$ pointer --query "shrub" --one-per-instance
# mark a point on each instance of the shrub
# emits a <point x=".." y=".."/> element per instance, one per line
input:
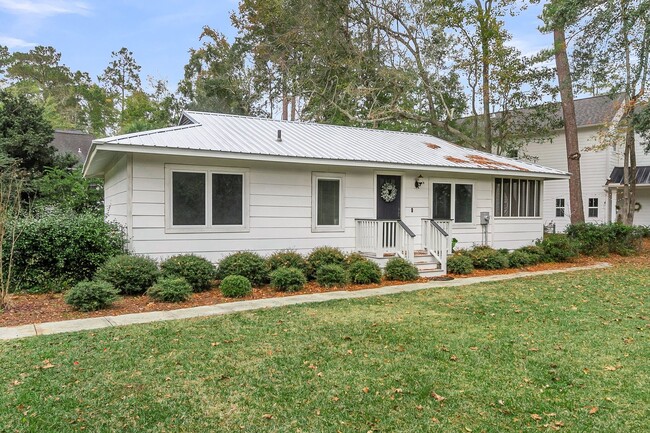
<point x="485" y="257"/>
<point x="398" y="269"/>
<point x="171" y="289"/>
<point x="91" y="295"/>
<point x="602" y="239"/>
<point x="246" y="264"/>
<point x="353" y="258"/>
<point x="364" y="272"/>
<point x="197" y="271"/>
<point x="56" y="251"/>
<point x="129" y="274"/>
<point x="558" y="248"/>
<point x="535" y="252"/>
<point x="324" y="256"/>
<point x="288" y="279"/>
<point x="331" y="275"/>
<point x="286" y="259"/>
<point x="520" y="259"/>
<point x="460" y="264"/>
<point x="235" y="286"/>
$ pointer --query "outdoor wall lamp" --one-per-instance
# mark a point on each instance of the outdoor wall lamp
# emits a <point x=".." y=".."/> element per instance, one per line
<point x="419" y="181"/>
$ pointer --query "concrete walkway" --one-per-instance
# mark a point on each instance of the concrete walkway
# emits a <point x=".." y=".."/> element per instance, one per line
<point x="10" y="333"/>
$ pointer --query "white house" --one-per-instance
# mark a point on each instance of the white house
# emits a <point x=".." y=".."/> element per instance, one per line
<point x="217" y="184"/>
<point x="601" y="168"/>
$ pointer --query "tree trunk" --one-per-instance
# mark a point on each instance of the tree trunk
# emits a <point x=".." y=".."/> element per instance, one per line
<point x="630" y="182"/>
<point x="285" y="107"/>
<point x="570" y="127"/>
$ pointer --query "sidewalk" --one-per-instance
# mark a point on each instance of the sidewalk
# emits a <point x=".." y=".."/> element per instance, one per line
<point x="10" y="333"/>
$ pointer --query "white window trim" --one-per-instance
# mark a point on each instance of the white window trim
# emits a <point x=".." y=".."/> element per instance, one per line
<point x="453" y="183"/>
<point x="315" y="176"/>
<point x="207" y="227"/>
<point x="597" y="207"/>
<point x="539" y="196"/>
<point x="560" y="207"/>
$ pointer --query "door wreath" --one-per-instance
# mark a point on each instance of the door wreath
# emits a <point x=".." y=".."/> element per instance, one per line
<point x="389" y="191"/>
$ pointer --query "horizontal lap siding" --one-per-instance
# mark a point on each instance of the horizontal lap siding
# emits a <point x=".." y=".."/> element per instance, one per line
<point x="512" y="233"/>
<point x="116" y="192"/>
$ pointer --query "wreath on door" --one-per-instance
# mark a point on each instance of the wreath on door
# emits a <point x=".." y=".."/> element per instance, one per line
<point x="389" y="191"/>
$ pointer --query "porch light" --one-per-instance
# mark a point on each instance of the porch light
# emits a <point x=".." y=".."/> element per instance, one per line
<point x="419" y="181"/>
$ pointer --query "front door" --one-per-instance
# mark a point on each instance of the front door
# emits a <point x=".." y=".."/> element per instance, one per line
<point x="389" y="190"/>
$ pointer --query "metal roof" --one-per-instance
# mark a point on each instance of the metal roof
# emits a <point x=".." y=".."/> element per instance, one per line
<point x="250" y="137"/>
<point x="642" y="176"/>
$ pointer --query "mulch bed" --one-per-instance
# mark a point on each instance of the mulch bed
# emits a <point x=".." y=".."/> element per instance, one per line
<point x="39" y="308"/>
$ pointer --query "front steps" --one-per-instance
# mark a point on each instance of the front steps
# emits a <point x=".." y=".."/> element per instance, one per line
<point x="427" y="265"/>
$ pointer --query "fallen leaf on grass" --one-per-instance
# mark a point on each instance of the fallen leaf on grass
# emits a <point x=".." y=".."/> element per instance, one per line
<point x="267" y="416"/>
<point x="593" y="410"/>
<point x="536" y="417"/>
<point x="473" y="348"/>
<point x="437" y="396"/>
<point x="419" y="407"/>
<point x="366" y="390"/>
<point x="453" y="358"/>
<point x="434" y="419"/>
<point x="612" y="367"/>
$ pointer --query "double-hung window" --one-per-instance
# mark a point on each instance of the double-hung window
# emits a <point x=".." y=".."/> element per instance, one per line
<point x="517" y="198"/>
<point x="206" y="199"/>
<point x="327" y="202"/>
<point x="592" y="210"/>
<point x="560" y="207"/>
<point x="453" y="201"/>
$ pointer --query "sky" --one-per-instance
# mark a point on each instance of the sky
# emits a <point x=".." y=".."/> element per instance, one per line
<point x="159" y="32"/>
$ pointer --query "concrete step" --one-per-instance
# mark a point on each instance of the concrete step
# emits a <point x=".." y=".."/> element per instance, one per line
<point x="431" y="273"/>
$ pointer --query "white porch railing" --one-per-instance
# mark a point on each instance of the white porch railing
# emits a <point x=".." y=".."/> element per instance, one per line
<point x="436" y="240"/>
<point x="385" y="237"/>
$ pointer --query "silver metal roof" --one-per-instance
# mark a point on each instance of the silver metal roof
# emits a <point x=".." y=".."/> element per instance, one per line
<point x="250" y="136"/>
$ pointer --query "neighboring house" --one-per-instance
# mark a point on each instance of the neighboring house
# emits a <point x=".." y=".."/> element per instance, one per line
<point x="74" y="143"/>
<point x="601" y="168"/>
<point x="218" y="183"/>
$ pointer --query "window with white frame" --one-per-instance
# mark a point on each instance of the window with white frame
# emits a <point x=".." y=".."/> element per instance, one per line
<point x="592" y="210"/>
<point x="518" y="198"/>
<point x="327" y="202"/>
<point x="453" y="201"/>
<point x="559" y="208"/>
<point x="206" y="199"/>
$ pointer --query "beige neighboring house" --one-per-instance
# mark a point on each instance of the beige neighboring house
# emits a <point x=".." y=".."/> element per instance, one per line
<point x="71" y="142"/>
<point x="601" y="169"/>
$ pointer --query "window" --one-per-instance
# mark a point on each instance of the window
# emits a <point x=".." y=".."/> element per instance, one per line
<point x="517" y="197"/>
<point x="592" y="211"/>
<point x="327" y="209"/>
<point x="559" y="207"/>
<point x="461" y="195"/>
<point x="206" y="199"/>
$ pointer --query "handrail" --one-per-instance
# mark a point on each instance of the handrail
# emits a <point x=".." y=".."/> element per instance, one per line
<point x="406" y="228"/>
<point x="436" y="225"/>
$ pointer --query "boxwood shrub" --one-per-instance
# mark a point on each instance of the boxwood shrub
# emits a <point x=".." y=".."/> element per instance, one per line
<point x="197" y="271"/>
<point x="286" y="259"/>
<point x="170" y="289"/>
<point x="602" y="239"/>
<point x="91" y="295"/>
<point x="459" y="264"/>
<point x="331" y="275"/>
<point x="130" y="275"/>
<point x="364" y="272"/>
<point x="485" y="257"/>
<point x="246" y="264"/>
<point x="235" y="286"/>
<point x="324" y="256"/>
<point x="54" y="252"/>
<point x="288" y="279"/>
<point x="559" y="248"/>
<point x="520" y="259"/>
<point x="399" y="269"/>
<point x="353" y="258"/>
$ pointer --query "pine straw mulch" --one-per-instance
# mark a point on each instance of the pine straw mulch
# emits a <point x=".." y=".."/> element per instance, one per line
<point x="39" y="308"/>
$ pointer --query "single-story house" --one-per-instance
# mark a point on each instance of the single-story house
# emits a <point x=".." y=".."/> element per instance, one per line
<point x="72" y="142"/>
<point x="218" y="184"/>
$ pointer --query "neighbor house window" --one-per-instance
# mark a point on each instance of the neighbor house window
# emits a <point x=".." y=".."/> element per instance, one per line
<point x="592" y="211"/>
<point x="456" y="197"/>
<point x="327" y="208"/>
<point x="517" y="197"/>
<point x="205" y="198"/>
<point x="559" y="207"/>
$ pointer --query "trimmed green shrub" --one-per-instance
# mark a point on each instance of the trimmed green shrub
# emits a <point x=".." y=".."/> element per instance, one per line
<point x="324" y="256"/>
<point x="353" y="258"/>
<point x="286" y="259"/>
<point x="288" y="279"/>
<point x="364" y="272"/>
<point x="520" y="259"/>
<point x="602" y="239"/>
<point x="130" y="275"/>
<point x="645" y="231"/>
<point x="535" y="252"/>
<point x="485" y="257"/>
<point x="559" y="248"/>
<point x="171" y="289"/>
<point x="91" y="295"/>
<point x="399" y="269"/>
<point x="235" y="286"/>
<point x="460" y="264"/>
<point x="55" y="252"/>
<point x="245" y="263"/>
<point x="331" y="275"/>
<point x="197" y="271"/>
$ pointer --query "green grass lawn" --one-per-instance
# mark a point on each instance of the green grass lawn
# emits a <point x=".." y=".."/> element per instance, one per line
<point x="565" y="352"/>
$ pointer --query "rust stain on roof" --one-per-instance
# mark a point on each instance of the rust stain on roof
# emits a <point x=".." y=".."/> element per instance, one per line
<point x="456" y="160"/>
<point x="432" y="146"/>
<point x="491" y="163"/>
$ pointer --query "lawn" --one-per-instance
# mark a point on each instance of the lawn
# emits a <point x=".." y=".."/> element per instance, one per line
<point x="567" y="352"/>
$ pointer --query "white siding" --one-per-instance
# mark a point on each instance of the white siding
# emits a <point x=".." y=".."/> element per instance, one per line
<point x="116" y="192"/>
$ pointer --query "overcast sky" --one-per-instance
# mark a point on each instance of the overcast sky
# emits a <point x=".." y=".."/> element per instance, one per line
<point x="159" y="32"/>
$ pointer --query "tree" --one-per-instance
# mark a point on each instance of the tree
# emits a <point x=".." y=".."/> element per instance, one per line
<point x="67" y="190"/>
<point x="11" y="182"/>
<point x="122" y="76"/>
<point x="150" y="111"/>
